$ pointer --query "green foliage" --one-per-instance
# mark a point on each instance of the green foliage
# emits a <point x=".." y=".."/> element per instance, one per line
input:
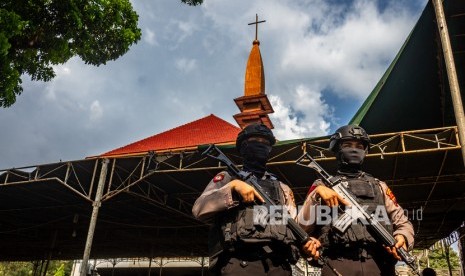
<point x="34" y="35"/>
<point x="59" y="268"/>
<point x="60" y="271"/>
<point x="192" y="2"/>
<point x="16" y="269"/>
<point x="55" y="268"/>
<point x="438" y="260"/>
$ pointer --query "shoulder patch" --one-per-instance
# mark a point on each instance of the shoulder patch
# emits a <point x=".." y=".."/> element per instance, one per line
<point x="218" y="177"/>
<point x="391" y="196"/>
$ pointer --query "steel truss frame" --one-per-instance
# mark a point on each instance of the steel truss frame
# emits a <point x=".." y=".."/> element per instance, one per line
<point x="124" y="175"/>
<point x="132" y="175"/>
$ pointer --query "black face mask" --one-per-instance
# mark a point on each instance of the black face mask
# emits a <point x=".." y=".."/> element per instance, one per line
<point x="350" y="159"/>
<point x="255" y="156"/>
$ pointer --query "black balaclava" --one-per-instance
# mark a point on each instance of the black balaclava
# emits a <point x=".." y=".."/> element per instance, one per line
<point x="350" y="160"/>
<point x="255" y="156"/>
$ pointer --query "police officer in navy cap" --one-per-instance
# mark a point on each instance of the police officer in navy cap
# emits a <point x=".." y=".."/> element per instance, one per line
<point x="356" y="251"/>
<point x="239" y="245"/>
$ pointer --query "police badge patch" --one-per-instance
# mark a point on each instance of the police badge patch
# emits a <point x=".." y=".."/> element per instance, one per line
<point x="218" y="177"/>
<point x="391" y="195"/>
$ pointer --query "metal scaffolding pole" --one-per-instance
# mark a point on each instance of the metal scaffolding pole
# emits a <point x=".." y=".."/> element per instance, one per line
<point x="93" y="220"/>
<point x="451" y="72"/>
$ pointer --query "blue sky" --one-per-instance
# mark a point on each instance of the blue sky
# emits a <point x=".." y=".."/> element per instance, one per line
<point x="322" y="59"/>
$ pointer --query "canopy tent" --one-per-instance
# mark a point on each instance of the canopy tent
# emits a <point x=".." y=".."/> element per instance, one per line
<point x="414" y="92"/>
<point x="147" y="200"/>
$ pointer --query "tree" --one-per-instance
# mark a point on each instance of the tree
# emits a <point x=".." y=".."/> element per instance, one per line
<point x="438" y="258"/>
<point x="36" y="34"/>
<point x="192" y="2"/>
<point x="15" y="269"/>
<point x="55" y="268"/>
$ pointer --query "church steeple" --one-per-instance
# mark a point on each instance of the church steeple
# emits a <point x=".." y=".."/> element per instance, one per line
<point x="254" y="105"/>
<point x="254" y="73"/>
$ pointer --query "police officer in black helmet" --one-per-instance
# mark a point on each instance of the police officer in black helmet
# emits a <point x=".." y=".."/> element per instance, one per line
<point x="350" y="144"/>
<point x="356" y="251"/>
<point x="239" y="245"/>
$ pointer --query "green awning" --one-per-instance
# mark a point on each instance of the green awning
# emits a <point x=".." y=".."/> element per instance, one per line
<point x="414" y="91"/>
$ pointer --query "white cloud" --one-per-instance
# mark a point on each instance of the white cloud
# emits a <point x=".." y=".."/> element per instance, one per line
<point x="186" y="28"/>
<point x="96" y="111"/>
<point x="304" y="114"/>
<point x="61" y="71"/>
<point x="347" y="54"/>
<point x="65" y="70"/>
<point x="149" y="37"/>
<point x="185" y="65"/>
<point x="178" y="31"/>
<point x="308" y="47"/>
<point x="340" y="48"/>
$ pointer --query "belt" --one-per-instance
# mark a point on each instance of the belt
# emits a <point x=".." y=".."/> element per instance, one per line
<point x="354" y="252"/>
<point x="257" y="252"/>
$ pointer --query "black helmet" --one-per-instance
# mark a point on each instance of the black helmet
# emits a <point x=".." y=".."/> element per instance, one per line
<point x="255" y="129"/>
<point x="349" y="132"/>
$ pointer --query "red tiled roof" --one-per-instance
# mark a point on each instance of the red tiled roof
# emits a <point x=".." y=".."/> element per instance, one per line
<point x="207" y="130"/>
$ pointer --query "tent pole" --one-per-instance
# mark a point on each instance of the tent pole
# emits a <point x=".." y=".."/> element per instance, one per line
<point x="93" y="220"/>
<point x="451" y="72"/>
<point x="50" y="252"/>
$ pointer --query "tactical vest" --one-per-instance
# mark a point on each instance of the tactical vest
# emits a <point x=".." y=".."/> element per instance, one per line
<point x="235" y="230"/>
<point x="368" y="193"/>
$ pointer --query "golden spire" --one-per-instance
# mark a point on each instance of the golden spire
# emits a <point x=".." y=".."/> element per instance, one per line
<point x="254" y="105"/>
<point x="254" y="72"/>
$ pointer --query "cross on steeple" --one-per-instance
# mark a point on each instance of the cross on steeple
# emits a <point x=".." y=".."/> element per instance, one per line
<point x="256" y="25"/>
<point x="254" y="105"/>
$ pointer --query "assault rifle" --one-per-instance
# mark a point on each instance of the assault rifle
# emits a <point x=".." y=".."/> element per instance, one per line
<point x="355" y="212"/>
<point x="299" y="233"/>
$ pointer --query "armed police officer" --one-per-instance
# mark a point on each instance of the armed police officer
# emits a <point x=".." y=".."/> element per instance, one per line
<point x="239" y="245"/>
<point x="356" y="251"/>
